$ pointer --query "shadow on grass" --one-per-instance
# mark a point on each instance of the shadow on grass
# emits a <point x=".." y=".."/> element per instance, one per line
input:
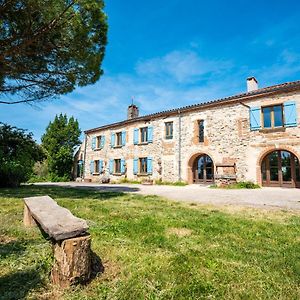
<point x="11" y="247"/>
<point x="17" y="285"/>
<point x="97" y="193"/>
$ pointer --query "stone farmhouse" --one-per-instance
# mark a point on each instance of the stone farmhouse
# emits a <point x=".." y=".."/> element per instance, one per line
<point x="254" y="136"/>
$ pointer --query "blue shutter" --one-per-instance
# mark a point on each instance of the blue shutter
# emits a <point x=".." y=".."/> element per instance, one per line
<point x="112" y="140"/>
<point x="149" y="165"/>
<point x="111" y="166"/>
<point x="122" y="166"/>
<point x="91" y="166"/>
<point x="150" y="134"/>
<point x="102" y="143"/>
<point x="136" y="136"/>
<point x="93" y="143"/>
<point x="290" y="114"/>
<point x="123" y="138"/>
<point x="135" y="166"/>
<point x="100" y="166"/>
<point x="255" y="118"/>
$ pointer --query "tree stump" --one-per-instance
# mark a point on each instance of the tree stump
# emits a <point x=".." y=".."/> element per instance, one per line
<point x="72" y="261"/>
<point x="28" y="219"/>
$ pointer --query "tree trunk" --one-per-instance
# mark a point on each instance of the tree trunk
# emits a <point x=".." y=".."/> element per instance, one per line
<point x="72" y="261"/>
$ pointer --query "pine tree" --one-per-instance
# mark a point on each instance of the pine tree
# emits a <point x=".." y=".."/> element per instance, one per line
<point x="48" y="47"/>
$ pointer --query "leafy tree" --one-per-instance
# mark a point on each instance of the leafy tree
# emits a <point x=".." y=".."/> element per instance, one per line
<point x="48" y="47"/>
<point x="59" y="141"/>
<point x="18" y="153"/>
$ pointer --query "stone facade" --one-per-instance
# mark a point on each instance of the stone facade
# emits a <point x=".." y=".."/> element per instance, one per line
<point x="234" y="148"/>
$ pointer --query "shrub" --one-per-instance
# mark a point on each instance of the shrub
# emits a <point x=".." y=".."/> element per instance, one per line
<point x="18" y="152"/>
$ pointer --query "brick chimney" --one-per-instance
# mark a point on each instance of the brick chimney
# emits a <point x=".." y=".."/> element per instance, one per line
<point x="132" y="112"/>
<point x="252" y="84"/>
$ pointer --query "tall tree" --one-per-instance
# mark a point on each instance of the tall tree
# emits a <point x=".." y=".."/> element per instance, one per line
<point x="59" y="141"/>
<point x="48" y="47"/>
<point x="18" y="153"/>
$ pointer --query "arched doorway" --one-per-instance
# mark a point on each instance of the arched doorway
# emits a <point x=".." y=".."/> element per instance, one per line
<point x="203" y="169"/>
<point x="280" y="168"/>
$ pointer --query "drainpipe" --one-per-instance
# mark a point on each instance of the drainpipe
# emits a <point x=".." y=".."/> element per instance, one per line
<point x="179" y="145"/>
<point x="84" y="156"/>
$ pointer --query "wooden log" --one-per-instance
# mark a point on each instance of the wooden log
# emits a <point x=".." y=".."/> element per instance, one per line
<point x="72" y="261"/>
<point x="58" y="222"/>
<point x="28" y="219"/>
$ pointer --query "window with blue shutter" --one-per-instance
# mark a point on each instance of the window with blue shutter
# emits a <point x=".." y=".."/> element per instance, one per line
<point x="135" y="166"/>
<point x="112" y="140"/>
<point x="91" y="166"/>
<point x="100" y="166"/>
<point x="290" y="114"/>
<point x="123" y="166"/>
<point x="149" y="165"/>
<point x="123" y="138"/>
<point x="102" y="141"/>
<point x="136" y="136"/>
<point x="111" y="166"/>
<point x="93" y="143"/>
<point x="150" y="134"/>
<point x="255" y="118"/>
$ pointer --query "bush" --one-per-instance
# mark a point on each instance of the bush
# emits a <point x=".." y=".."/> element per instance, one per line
<point x="238" y="185"/>
<point x="18" y="153"/>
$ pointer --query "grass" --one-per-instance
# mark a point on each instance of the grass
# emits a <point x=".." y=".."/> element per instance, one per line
<point x="237" y="186"/>
<point x="152" y="248"/>
<point x="176" y="183"/>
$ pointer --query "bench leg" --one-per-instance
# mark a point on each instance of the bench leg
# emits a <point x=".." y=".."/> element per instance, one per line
<point x="28" y="219"/>
<point x="72" y="261"/>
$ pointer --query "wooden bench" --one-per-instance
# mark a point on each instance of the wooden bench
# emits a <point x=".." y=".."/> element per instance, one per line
<point x="70" y="239"/>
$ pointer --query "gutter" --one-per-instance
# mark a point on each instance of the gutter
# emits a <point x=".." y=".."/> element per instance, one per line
<point x="84" y="156"/>
<point x="179" y="145"/>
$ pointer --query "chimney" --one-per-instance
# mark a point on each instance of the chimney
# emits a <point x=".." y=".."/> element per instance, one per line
<point x="252" y="84"/>
<point x="132" y="112"/>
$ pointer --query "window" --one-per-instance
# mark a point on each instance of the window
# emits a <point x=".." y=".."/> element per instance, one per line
<point x="169" y="130"/>
<point x="144" y="134"/>
<point x="272" y="116"/>
<point x="96" y="166"/>
<point x="117" y="166"/>
<point x="119" y="138"/>
<point x="201" y="130"/>
<point x="143" y="165"/>
<point x="98" y="141"/>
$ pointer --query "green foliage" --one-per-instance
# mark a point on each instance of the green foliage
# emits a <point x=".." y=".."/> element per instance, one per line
<point x="59" y="141"/>
<point x="152" y="248"/>
<point x="238" y="185"/>
<point x="18" y="152"/>
<point x="49" y="47"/>
<point x="175" y="183"/>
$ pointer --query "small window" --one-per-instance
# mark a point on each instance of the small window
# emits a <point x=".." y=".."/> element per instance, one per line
<point x="144" y="134"/>
<point x="272" y="116"/>
<point x="201" y="131"/>
<point x="117" y="166"/>
<point x="98" y="141"/>
<point x="119" y="138"/>
<point x="96" y="166"/>
<point x="143" y="165"/>
<point x="169" y="130"/>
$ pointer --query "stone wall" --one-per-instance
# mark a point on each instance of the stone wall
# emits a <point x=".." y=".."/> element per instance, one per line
<point x="228" y="140"/>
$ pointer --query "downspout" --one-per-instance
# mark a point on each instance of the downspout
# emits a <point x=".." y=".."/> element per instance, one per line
<point x="84" y="156"/>
<point x="179" y="145"/>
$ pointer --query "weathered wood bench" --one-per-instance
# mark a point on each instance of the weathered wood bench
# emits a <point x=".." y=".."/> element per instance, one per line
<point x="70" y="239"/>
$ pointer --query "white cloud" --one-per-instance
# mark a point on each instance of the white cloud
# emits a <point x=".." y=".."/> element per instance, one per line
<point x="183" y="66"/>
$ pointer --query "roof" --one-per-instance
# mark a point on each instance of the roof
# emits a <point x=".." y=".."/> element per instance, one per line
<point x="279" y="88"/>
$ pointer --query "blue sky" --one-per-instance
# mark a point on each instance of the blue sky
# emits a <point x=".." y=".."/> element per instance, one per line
<point x="173" y="53"/>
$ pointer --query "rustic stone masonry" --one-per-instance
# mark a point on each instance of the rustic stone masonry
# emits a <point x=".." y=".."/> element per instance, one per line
<point x="230" y="139"/>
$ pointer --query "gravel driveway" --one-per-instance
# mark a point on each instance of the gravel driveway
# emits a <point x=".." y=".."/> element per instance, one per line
<point x="265" y="197"/>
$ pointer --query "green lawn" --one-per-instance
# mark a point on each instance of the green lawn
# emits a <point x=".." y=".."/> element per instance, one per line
<point x="155" y="249"/>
